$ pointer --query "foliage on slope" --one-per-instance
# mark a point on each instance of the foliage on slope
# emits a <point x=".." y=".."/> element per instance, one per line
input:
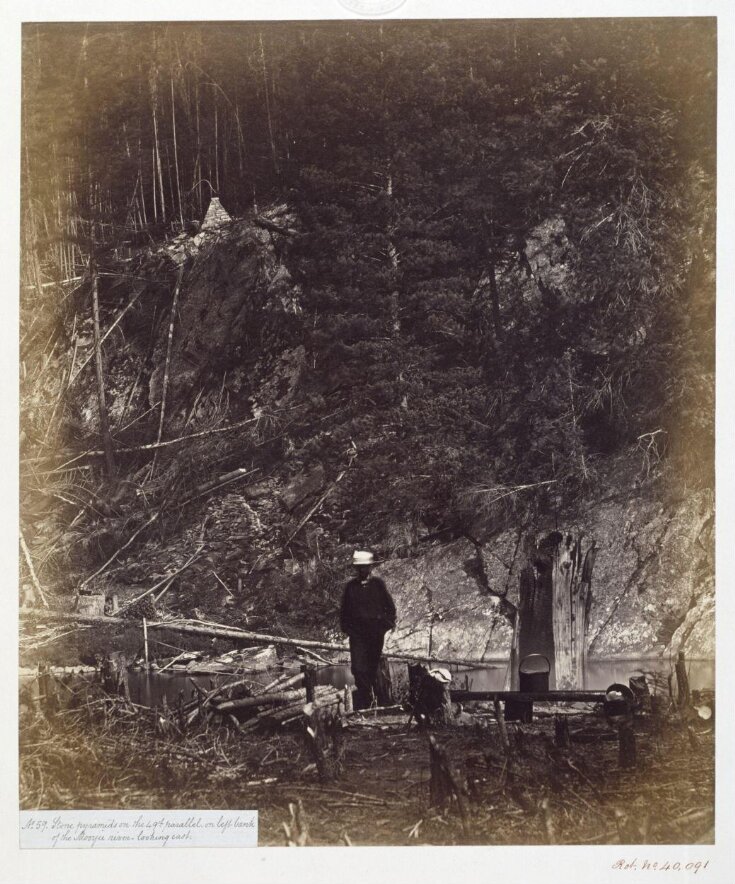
<point x="494" y="273"/>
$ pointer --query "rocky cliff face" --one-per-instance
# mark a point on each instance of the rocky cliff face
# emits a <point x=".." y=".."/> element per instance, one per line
<point x="653" y="584"/>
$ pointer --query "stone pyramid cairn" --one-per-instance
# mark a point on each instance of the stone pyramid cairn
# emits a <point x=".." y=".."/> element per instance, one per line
<point x="216" y="216"/>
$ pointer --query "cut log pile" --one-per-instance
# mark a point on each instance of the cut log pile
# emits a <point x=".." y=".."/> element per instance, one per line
<point x="285" y="710"/>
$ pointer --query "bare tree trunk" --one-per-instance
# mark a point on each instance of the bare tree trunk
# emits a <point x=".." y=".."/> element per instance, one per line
<point x="167" y="365"/>
<point x="198" y="162"/>
<point x="153" y="183"/>
<point x="176" y="153"/>
<point x="535" y="633"/>
<point x="159" y="170"/>
<point x="268" y="106"/>
<point x="571" y="581"/>
<point x="239" y="140"/>
<point x="216" y="141"/>
<point x="553" y="613"/>
<point x="170" y="183"/>
<point x="104" y="421"/>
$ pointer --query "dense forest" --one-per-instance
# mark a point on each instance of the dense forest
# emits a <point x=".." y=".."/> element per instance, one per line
<point x="473" y="265"/>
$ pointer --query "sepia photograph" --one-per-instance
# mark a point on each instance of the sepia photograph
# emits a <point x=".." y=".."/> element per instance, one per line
<point x="367" y="431"/>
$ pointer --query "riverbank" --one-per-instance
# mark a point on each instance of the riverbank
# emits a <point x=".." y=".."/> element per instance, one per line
<point x="102" y="752"/>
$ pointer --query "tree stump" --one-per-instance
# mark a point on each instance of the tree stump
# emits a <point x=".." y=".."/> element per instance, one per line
<point x="430" y="700"/>
<point x="693" y="738"/>
<point x="554" y="606"/>
<point x="561" y="731"/>
<point x="641" y="692"/>
<point x="347" y="699"/>
<point x="324" y="736"/>
<point x="48" y="699"/>
<point x="626" y="746"/>
<point x="445" y="786"/>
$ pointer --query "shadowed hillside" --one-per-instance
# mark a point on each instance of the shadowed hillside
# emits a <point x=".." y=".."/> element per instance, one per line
<point x="461" y="289"/>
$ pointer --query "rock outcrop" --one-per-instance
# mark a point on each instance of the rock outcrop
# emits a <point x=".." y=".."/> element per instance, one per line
<point x="653" y="586"/>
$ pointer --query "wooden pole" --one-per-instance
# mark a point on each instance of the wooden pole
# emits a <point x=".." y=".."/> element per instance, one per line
<point x="502" y="730"/>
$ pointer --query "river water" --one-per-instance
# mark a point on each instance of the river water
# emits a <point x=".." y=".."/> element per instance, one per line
<point x="149" y="688"/>
<point x="601" y="673"/>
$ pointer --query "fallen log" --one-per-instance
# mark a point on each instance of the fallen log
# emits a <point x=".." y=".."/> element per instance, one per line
<point x="32" y="570"/>
<point x="233" y="632"/>
<point x="283" y="681"/>
<point x="281" y="715"/>
<point x="532" y="696"/>
<point x="395" y="709"/>
<point x="282" y="698"/>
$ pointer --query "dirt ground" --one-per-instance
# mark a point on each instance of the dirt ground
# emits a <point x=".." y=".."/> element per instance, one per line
<point x="101" y="752"/>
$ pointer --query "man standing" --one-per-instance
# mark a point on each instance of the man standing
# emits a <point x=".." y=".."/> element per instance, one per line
<point x="367" y="613"/>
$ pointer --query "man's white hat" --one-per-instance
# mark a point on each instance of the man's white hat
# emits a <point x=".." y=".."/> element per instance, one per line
<point x="361" y="557"/>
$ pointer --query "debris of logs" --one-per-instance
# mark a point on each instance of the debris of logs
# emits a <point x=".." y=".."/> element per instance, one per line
<point x="272" y="717"/>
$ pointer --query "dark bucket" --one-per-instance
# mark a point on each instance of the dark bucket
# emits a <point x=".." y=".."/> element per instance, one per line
<point x="619" y="701"/>
<point x="533" y="673"/>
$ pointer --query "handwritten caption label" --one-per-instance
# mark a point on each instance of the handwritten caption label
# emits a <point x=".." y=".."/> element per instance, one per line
<point x="660" y="865"/>
<point x="56" y="829"/>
